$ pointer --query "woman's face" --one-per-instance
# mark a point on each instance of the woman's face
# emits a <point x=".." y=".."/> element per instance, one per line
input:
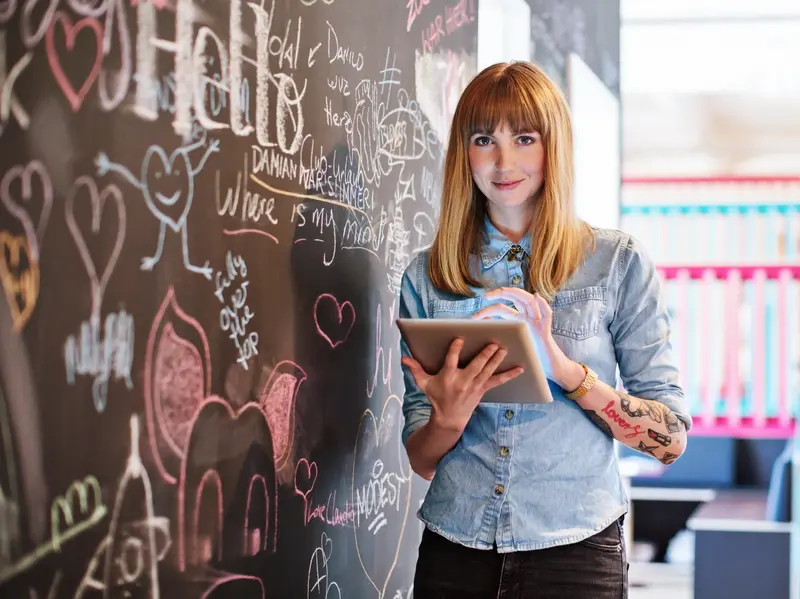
<point x="508" y="169"/>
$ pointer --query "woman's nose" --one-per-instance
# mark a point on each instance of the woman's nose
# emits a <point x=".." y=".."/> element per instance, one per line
<point x="504" y="160"/>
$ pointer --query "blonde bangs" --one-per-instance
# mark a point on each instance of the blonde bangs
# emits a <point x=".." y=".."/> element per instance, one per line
<point x="504" y="99"/>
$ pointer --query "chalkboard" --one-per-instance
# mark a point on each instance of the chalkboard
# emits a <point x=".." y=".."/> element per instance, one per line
<point x="589" y="28"/>
<point x="206" y="209"/>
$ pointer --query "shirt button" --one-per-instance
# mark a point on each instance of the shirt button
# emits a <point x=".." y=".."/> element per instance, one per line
<point x="515" y="280"/>
<point x="509" y="414"/>
<point x="504" y="451"/>
<point x="499" y="490"/>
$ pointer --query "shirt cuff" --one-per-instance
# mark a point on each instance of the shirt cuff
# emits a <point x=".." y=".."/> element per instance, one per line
<point x="415" y="420"/>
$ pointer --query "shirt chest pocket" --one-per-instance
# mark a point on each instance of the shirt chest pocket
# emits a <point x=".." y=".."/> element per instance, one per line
<point x="463" y="308"/>
<point x="578" y="313"/>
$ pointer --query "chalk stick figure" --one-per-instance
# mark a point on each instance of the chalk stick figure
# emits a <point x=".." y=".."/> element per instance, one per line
<point x="167" y="184"/>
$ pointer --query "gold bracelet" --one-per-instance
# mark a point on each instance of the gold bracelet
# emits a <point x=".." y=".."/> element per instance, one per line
<point x="588" y="382"/>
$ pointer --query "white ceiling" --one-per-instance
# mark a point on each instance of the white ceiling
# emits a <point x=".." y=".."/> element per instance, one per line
<point x="714" y="89"/>
<point x="631" y="10"/>
<point x="695" y="134"/>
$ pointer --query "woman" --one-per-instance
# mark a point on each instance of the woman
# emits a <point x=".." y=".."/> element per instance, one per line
<point x="526" y="500"/>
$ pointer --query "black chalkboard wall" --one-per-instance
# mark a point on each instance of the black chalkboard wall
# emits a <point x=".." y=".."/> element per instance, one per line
<point x="206" y="209"/>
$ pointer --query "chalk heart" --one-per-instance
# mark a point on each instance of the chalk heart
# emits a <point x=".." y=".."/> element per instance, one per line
<point x="305" y="477"/>
<point x="71" y="31"/>
<point x="333" y="320"/>
<point x="98" y="203"/>
<point x="378" y="549"/>
<point x="326" y="543"/>
<point x="19" y="274"/>
<point x="167" y="184"/>
<point x="20" y="205"/>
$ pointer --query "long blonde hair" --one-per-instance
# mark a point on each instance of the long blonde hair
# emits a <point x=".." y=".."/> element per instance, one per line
<point x="522" y="95"/>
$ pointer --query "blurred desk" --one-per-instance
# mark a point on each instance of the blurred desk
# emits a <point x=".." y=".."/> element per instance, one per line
<point x="630" y="467"/>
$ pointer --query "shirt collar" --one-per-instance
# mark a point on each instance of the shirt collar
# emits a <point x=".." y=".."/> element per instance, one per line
<point x="496" y="245"/>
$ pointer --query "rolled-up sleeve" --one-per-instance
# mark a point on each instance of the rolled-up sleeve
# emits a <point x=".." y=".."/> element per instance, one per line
<point x="641" y="332"/>
<point x="416" y="406"/>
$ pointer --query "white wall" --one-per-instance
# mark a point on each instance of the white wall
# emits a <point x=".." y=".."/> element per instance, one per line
<point x="504" y="31"/>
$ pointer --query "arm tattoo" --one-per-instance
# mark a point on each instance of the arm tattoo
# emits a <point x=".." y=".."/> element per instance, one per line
<point x="673" y="424"/>
<point x="664" y="440"/>
<point x="639" y="408"/>
<point x="625" y="403"/>
<point x="655" y="411"/>
<point x="668" y="458"/>
<point x="648" y="449"/>
<point x="600" y="422"/>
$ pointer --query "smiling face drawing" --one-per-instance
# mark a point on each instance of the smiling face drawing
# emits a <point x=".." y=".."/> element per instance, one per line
<point x="168" y="185"/>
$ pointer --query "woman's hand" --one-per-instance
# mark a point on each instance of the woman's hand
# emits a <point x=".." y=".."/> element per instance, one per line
<point x="534" y="309"/>
<point x="455" y="392"/>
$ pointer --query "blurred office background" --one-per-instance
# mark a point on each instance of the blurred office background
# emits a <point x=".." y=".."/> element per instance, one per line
<point x="710" y="96"/>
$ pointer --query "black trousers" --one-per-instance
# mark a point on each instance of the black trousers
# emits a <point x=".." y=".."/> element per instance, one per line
<point x="595" y="568"/>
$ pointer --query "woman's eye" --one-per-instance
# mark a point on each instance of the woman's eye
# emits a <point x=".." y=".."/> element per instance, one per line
<point x="526" y="140"/>
<point x="482" y="140"/>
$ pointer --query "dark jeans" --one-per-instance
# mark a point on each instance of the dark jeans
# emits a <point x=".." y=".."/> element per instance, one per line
<point x="595" y="568"/>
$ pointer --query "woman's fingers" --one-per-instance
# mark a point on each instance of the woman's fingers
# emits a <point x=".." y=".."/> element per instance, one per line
<point x="479" y="362"/>
<point x="497" y="311"/>
<point x="509" y="293"/>
<point x="490" y="366"/>
<point x="453" y="354"/>
<point x="535" y="313"/>
<point x="544" y="307"/>
<point x="522" y="300"/>
<point x="532" y="305"/>
<point x="498" y="379"/>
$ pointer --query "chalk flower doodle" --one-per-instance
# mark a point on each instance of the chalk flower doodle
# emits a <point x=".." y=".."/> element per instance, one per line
<point x="167" y="184"/>
<point x="326" y="308"/>
<point x="75" y="98"/>
<point x="278" y="399"/>
<point x="381" y="493"/>
<point x="177" y="378"/>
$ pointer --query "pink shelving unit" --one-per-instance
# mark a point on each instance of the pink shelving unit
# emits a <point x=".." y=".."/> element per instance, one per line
<point x="728" y="250"/>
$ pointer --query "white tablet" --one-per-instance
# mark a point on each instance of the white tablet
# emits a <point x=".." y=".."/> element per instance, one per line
<point x="430" y="338"/>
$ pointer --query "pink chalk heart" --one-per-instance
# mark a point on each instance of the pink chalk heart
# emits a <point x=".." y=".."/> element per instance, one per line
<point x="305" y="476"/>
<point x="71" y="31"/>
<point x="333" y="320"/>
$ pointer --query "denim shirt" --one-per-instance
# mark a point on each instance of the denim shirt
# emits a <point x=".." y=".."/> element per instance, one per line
<point x="531" y="476"/>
